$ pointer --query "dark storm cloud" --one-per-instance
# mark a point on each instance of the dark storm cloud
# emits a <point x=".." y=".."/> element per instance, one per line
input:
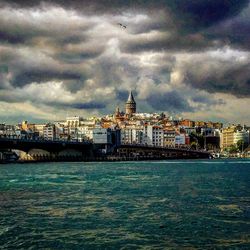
<point x="194" y="26"/>
<point x="9" y="37"/>
<point x="77" y="57"/>
<point x="174" y="42"/>
<point x="122" y="95"/>
<point x="202" y="10"/>
<point x="173" y="101"/>
<point x="186" y="21"/>
<point x="75" y="52"/>
<point x="56" y="25"/>
<point x="88" y="105"/>
<point x="110" y="71"/>
<point x="235" y="31"/>
<point x="26" y="77"/>
<point x="234" y="80"/>
<point x="80" y="105"/>
<point x="204" y="13"/>
<point x="206" y="100"/>
<point x="198" y="13"/>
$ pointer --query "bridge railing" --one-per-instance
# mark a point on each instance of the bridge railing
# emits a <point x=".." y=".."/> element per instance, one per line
<point x="164" y="147"/>
<point x="39" y="139"/>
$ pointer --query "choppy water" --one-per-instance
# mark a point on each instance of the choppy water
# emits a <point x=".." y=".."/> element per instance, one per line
<point x="131" y="205"/>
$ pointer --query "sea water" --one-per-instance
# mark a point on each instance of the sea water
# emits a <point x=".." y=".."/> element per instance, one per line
<point x="193" y="204"/>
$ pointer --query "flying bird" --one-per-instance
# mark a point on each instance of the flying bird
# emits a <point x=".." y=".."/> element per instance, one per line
<point x="122" y="26"/>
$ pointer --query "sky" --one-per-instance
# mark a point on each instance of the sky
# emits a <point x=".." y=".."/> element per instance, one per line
<point x="188" y="58"/>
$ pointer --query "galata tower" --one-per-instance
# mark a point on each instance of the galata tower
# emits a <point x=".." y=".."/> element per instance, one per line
<point x="130" y="105"/>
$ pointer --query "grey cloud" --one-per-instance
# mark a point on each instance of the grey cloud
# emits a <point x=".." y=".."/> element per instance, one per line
<point x="94" y="54"/>
<point x="108" y="71"/>
<point x="207" y="100"/>
<point x="185" y="20"/>
<point x="26" y="77"/>
<point x="122" y="95"/>
<point x="192" y="14"/>
<point x="169" y="42"/>
<point x="232" y="78"/>
<point x="235" y="31"/>
<point x="196" y="15"/>
<point x="20" y="26"/>
<point x="79" y="56"/>
<point x="172" y="100"/>
<point x="78" y="105"/>
<point x="88" y="105"/>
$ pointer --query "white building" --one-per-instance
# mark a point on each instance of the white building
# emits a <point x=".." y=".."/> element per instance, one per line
<point x="39" y="128"/>
<point x="49" y="132"/>
<point x="241" y="135"/>
<point x="101" y="135"/>
<point x="73" y="121"/>
<point x="180" y="140"/>
<point x="153" y="135"/>
<point x="85" y="133"/>
<point x="131" y="136"/>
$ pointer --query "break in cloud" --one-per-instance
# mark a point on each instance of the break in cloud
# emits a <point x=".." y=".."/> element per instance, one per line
<point x="188" y="58"/>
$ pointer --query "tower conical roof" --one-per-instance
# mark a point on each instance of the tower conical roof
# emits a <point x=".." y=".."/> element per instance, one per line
<point x="131" y="98"/>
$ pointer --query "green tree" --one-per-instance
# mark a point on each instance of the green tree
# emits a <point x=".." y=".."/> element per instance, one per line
<point x="197" y="138"/>
<point x="232" y="149"/>
<point x="241" y="145"/>
<point x="193" y="145"/>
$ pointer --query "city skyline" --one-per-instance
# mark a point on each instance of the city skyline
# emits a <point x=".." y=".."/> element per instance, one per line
<point x="188" y="59"/>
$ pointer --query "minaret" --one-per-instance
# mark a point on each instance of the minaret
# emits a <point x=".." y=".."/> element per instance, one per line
<point x="130" y="105"/>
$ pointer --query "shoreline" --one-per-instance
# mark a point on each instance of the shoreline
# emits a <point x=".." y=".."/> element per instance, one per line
<point x="131" y="159"/>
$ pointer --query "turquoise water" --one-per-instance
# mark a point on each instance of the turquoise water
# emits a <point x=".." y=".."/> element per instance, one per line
<point x="131" y="205"/>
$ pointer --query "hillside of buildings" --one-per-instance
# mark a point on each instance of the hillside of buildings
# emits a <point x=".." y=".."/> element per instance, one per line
<point x="138" y="128"/>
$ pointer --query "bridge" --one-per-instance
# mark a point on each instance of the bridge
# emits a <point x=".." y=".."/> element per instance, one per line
<point x="80" y="151"/>
<point x="147" y="151"/>
<point x="48" y="150"/>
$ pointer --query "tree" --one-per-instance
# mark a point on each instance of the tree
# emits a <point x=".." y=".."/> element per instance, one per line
<point x="193" y="145"/>
<point x="232" y="149"/>
<point x="197" y="138"/>
<point x="241" y="145"/>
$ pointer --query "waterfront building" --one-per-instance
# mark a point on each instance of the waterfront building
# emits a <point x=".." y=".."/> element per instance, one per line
<point x="130" y="107"/>
<point x="180" y="140"/>
<point x="169" y="138"/>
<point x="39" y="129"/>
<point x="84" y="133"/>
<point x="153" y="135"/>
<point x="49" y="132"/>
<point x="132" y="135"/>
<point x="73" y="121"/>
<point x="241" y="135"/>
<point x="227" y="137"/>
<point x="231" y="135"/>
<point x="101" y="135"/>
<point x="8" y="130"/>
